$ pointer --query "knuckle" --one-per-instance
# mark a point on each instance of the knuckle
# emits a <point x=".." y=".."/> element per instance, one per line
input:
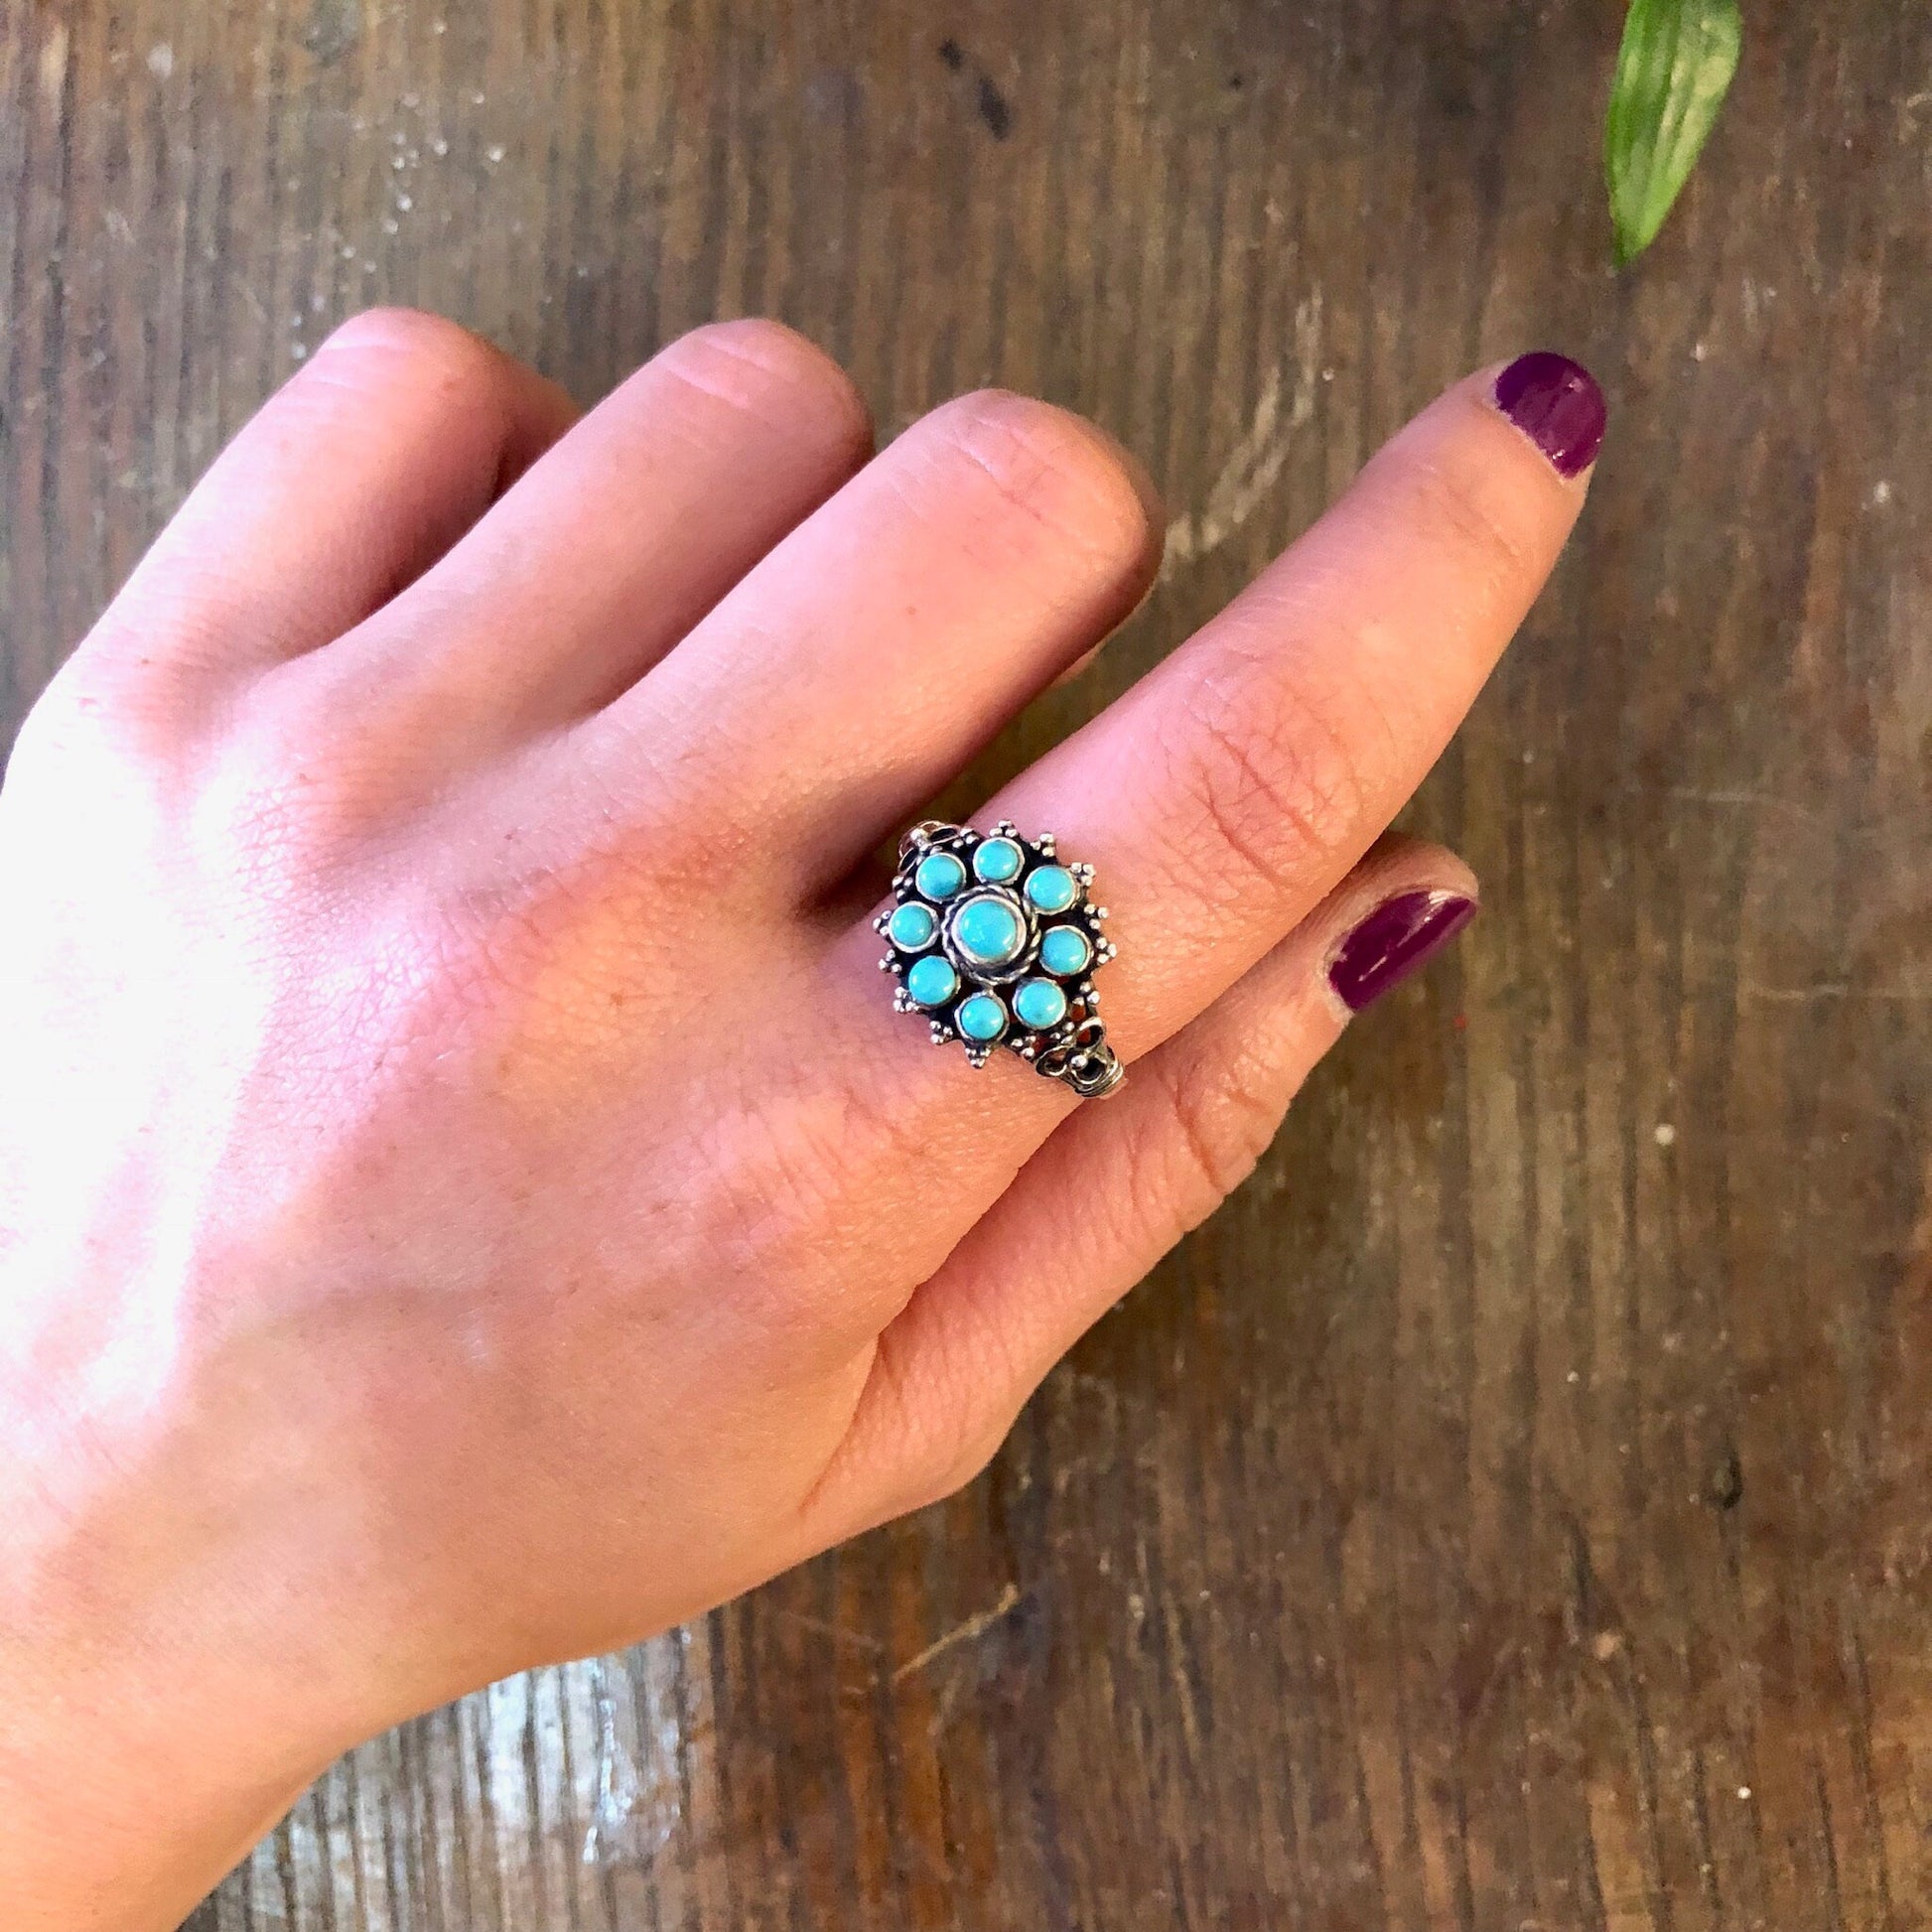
<point x="765" y="370"/>
<point x="1053" y="469"/>
<point x="275" y="787"/>
<point x="1272" y="787"/>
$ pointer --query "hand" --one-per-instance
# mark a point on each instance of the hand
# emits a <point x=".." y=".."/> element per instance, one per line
<point x="466" y="1199"/>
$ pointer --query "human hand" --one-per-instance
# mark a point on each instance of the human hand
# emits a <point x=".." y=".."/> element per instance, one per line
<point x="466" y="1199"/>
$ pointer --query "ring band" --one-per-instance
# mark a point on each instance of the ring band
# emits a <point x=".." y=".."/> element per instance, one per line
<point x="994" y="939"/>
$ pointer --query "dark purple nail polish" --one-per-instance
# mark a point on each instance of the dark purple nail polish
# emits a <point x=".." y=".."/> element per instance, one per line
<point x="1393" y="941"/>
<point x="1557" y="404"/>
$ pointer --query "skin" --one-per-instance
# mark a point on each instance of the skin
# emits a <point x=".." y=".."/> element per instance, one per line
<point x="463" y="1192"/>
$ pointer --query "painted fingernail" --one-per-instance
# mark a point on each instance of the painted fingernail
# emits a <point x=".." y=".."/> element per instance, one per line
<point x="1393" y="941"/>
<point x="1557" y="404"/>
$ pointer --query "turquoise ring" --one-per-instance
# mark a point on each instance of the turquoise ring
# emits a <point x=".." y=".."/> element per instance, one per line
<point x="994" y="939"/>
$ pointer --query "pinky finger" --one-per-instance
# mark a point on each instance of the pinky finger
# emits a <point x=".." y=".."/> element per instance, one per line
<point x="955" y="1366"/>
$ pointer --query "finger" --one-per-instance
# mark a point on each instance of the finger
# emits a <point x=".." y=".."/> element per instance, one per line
<point x="955" y="1366"/>
<point x="621" y="538"/>
<point x="1222" y="800"/>
<point x="853" y="672"/>
<point x="1237" y="784"/>
<point x="352" y="478"/>
<point x="1226" y="793"/>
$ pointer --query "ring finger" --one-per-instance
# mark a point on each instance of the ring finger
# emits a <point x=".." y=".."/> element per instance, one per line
<point x="1237" y="784"/>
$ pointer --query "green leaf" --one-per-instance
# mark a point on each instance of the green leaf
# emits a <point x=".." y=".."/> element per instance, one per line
<point x="1672" y="73"/>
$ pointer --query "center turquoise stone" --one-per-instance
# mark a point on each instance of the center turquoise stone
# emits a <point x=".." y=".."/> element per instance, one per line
<point x="988" y="930"/>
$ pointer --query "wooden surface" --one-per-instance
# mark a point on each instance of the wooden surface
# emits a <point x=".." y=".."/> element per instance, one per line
<point x="1512" y="1512"/>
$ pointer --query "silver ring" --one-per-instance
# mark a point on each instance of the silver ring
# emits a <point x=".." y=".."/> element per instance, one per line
<point x="994" y="939"/>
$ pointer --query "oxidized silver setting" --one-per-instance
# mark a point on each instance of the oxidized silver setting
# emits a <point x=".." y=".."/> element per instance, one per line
<point x="996" y="939"/>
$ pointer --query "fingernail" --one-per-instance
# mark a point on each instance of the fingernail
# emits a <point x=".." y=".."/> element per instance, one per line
<point x="1393" y="941"/>
<point x="1557" y="404"/>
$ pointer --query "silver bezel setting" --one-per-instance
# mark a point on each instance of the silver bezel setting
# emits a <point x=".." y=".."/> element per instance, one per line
<point x="1075" y="1050"/>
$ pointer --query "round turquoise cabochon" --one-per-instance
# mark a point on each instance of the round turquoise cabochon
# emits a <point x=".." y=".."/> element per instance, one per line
<point x="939" y="875"/>
<point x="933" y="981"/>
<point x="988" y="930"/>
<point x="1064" y="949"/>
<point x="1052" y="887"/>
<point x="1040" y="1003"/>
<point x="912" y="928"/>
<point x="997" y="860"/>
<point x="982" y="1017"/>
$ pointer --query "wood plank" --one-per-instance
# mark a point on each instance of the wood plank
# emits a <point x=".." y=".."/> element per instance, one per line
<point x="1510" y="1512"/>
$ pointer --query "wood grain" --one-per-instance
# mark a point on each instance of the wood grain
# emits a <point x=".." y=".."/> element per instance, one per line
<point x="1511" y="1513"/>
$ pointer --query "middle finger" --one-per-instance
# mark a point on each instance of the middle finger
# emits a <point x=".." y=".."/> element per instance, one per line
<point x="860" y="663"/>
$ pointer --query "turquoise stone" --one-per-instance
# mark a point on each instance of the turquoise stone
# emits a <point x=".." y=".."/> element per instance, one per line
<point x="988" y="930"/>
<point x="1050" y="887"/>
<point x="982" y="1017"/>
<point x="997" y="860"/>
<point x="912" y="928"/>
<point x="939" y="875"/>
<point x="1040" y="1003"/>
<point x="1066" y="949"/>
<point x="931" y="981"/>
